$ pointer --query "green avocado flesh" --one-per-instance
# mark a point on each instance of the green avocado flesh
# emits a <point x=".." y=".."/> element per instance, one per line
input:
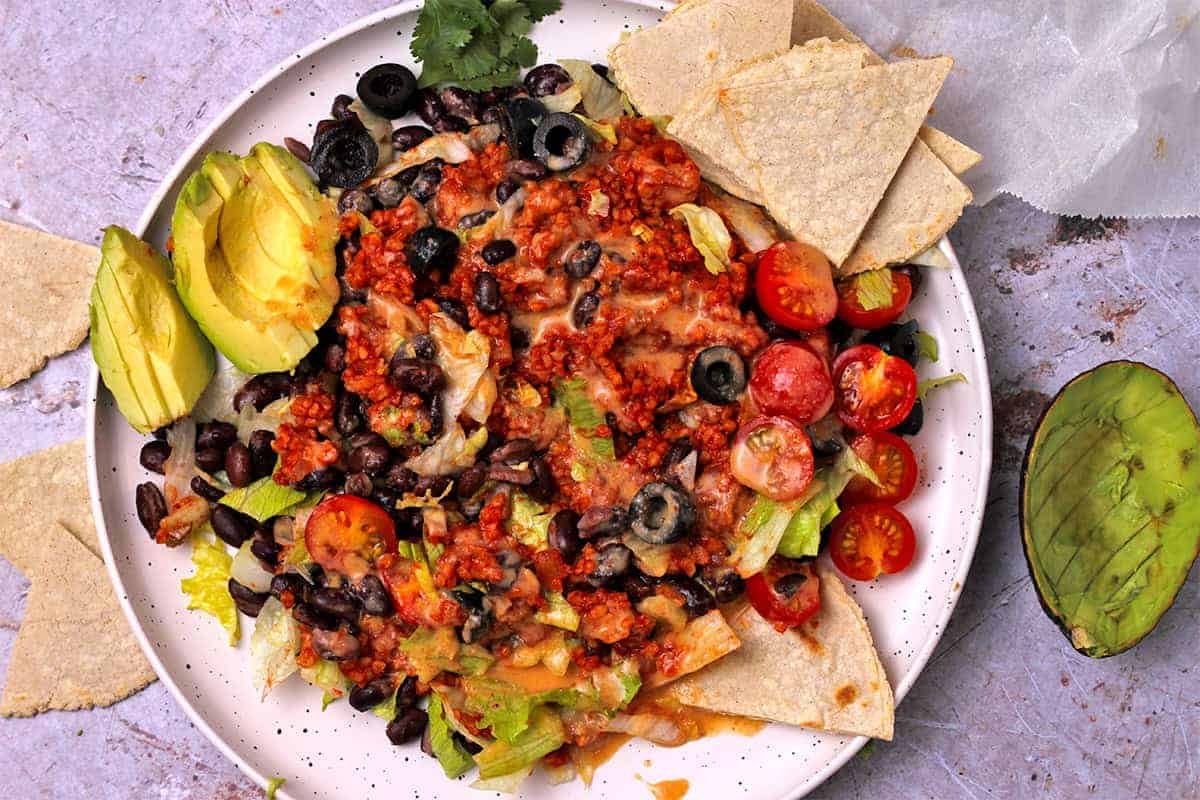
<point x="254" y="256"/>
<point x="1110" y="505"/>
<point x="151" y="355"/>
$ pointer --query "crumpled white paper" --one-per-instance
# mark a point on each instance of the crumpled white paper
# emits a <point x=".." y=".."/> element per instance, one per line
<point x="1087" y="107"/>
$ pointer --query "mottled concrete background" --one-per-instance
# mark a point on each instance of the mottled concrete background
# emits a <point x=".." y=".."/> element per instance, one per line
<point x="97" y="100"/>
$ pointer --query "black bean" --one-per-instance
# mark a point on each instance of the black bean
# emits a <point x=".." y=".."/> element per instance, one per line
<point x="613" y="561"/>
<point x="238" y="465"/>
<point x="356" y="200"/>
<point x="492" y="115"/>
<point x="527" y="169"/>
<point x="406" y="694"/>
<point x="471" y="480"/>
<point x="407" y="726"/>
<point x="416" y="375"/>
<point x="697" y="600"/>
<point x="455" y="310"/>
<point x="151" y="506"/>
<point x="321" y="478"/>
<point x="336" y="603"/>
<point x="434" y="485"/>
<point x="546" y="79"/>
<point x="410" y="523"/>
<point x="289" y="582"/>
<point x="347" y="416"/>
<point x="297" y="148"/>
<point x="726" y="586"/>
<point x="583" y="259"/>
<point x="206" y="490"/>
<point x="210" y="460"/>
<point x="519" y="338"/>
<point x="266" y="551"/>
<point x="451" y="124"/>
<point x="316" y="573"/>
<point x="232" y="527"/>
<point x="409" y="136"/>
<point x="341" y="106"/>
<point x="334" y="645"/>
<point x="423" y="346"/>
<point x="602" y="521"/>
<point x="518" y="476"/>
<point x="544" y="486"/>
<point x="469" y="221"/>
<point x="498" y="251"/>
<point x="262" y="457"/>
<point x="359" y="484"/>
<point x="262" y="390"/>
<point x="585" y="309"/>
<point x="216" y="434"/>
<point x="248" y="601"/>
<point x="437" y="416"/>
<point x="497" y="94"/>
<point x="487" y="293"/>
<point x="307" y="614"/>
<point x="563" y="534"/>
<point x="389" y="193"/>
<point x="374" y="596"/>
<point x="425" y="185"/>
<point x="371" y="456"/>
<point x="154" y="456"/>
<point x="461" y="102"/>
<point x="364" y="698"/>
<point x="638" y="586"/>
<point x="400" y="478"/>
<point x="513" y="451"/>
<point x="506" y="189"/>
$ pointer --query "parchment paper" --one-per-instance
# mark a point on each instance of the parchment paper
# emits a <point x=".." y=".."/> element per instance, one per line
<point x="1087" y="107"/>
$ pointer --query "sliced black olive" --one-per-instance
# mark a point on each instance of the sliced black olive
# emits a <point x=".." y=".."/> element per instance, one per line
<point x="719" y="375"/>
<point x="697" y="600"/>
<point x="913" y="422"/>
<point x="897" y="340"/>
<point x="661" y="513"/>
<point x="547" y="79"/>
<point x="518" y="124"/>
<point x="613" y="562"/>
<point x="562" y="142"/>
<point x="386" y="89"/>
<point x="431" y="248"/>
<point x="583" y="259"/>
<point x="345" y="155"/>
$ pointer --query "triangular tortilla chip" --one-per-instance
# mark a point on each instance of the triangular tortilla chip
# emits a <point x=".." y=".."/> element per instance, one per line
<point x="700" y="126"/>
<point x="957" y="157"/>
<point x="74" y="648"/>
<point x="824" y="188"/>
<point x="41" y="489"/>
<point x="824" y="675"/>
<point x="41" y="272"/>
<point x="659" y="67"/>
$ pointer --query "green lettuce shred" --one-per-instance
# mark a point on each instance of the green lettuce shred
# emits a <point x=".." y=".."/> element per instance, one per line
<point x="927" y="346"/>
<point x="929" y="384"/>
<point x="874" y="289"/>
<point x="273" y="787"/>
<point x="709" y="235"/>
<point x="529" y="521"/>
<point x="543" y="736"/>
<point x="558" y="612"/>
<point x="450" y="754"/>
<point x="208" y="587"/>
<point x="601" y="100"/>
<point x="264" y="499"/>
<point x="572" y="396"/>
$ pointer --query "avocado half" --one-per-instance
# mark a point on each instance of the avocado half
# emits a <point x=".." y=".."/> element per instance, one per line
<point x="1110" y="504"/>
<point x="254" y="256"/>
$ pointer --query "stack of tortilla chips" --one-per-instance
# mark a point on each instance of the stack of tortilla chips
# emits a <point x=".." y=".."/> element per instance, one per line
<point x="780" y="104"/>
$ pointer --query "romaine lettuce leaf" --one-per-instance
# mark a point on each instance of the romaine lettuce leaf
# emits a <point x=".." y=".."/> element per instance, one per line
<point x="454" y="759"/>
<point x="543" y="736"/>
<point x="529" y="521"/>
<point x="264" y="499"/>
<point x="601" y="100"/>
<point x="572" y="396"/>
<point x="326" y="675"/>
<point x="273" y="646"/>
<point x="874" y="289"/>
<point x="929" y="384"/>
<point x="432" y="650"/>
<point x="208" y="587"/>
<point x="709" y="235"/>
<point x="558" y="612"/>
<point x="273" y="787"/>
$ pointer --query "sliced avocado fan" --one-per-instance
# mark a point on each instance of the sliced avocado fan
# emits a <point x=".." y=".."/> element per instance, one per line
<point x="1110" y="504"/>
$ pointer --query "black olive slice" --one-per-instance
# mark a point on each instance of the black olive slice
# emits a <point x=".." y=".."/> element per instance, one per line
<point x="661" y="513"/>
<point x="344" y="154"/>
<point x="431" y="248"/>
<point x="562" y="142"/>
<point x="519" y="121"/>
<point x="719" y="375"/>
<point x="386" y="89"/>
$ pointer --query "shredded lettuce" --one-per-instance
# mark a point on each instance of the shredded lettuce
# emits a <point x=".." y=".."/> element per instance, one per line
<point x="450" y="754"/>
<point x="927" y="346"/>
<point x="509" y="710"/>
<point x="802" y="536"/>
<point x="208" y="587"/>
<point x="558" y="612"/>
<point x="630" y="678"/>
<point x="386" y="710"/>
<point x="504" y="784"/>
<point x="273" y="646"/>
<point x="326" y="675"/>
<point x="929" y="384"/>
<point x="452" y="148"/>
<point x="601" y="130"/>
<point x="572" y="396"/>
<point x="216" y="401"/>
<point x="874" y="288"/>
<point x="544" y="735"/>
<point x="264" y="499"/>
<point x="432" y="650"/>
<point x="529" y="521"/>
<point x="601" y="100"/>
<point x="273" y="787"/>
<point x="759" y="532"/>
<point x="709" y="235"/>
<point x="599" y="204"/>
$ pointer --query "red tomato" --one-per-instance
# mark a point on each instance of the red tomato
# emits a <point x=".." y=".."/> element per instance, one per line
<point x="875" y="391"/>
<point x="894" y="465"/>
<point x="414" y="604"/>
<point x="773" y="456"/>
<point x="853" y="314"/>
<point x="795" y="286"/>
<point x="786" y="593"/>
<point x="346" y="534"/>
<point x="820" y="343"/>
<point x="790" y="379"/>
<point x="870" y="539"/>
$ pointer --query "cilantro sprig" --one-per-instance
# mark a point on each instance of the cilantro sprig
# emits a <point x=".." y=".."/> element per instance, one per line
<point x="477" y="45"/>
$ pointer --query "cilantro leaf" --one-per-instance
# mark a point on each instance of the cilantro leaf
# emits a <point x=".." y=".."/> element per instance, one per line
<point x="540" y="9"/>
<point x="511" y="17"/>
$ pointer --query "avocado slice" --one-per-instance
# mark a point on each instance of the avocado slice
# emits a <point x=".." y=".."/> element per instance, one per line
<point x="254" y="256"/>
<point x="1110" y="504"/>
<point x="151" y="355"/>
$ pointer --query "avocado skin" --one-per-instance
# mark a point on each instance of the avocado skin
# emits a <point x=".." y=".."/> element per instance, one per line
<point x="254" y="256"/>
<point x="1170" y="570"/>
<point x="150" y="353"/>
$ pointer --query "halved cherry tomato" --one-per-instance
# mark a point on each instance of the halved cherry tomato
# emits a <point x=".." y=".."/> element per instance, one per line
<point x="792" y="380"/>
<point x="875" y="391"/>
<point x="786" y="593"/>
<point x="773" y="456"/>
<point x="412" y="596"/>
<point x="347" y="534"/>
<point x="871" y="539"/>
<point x="795" y="286"/>
<point x="894" y="464"/>
<point x="851" y="312"/>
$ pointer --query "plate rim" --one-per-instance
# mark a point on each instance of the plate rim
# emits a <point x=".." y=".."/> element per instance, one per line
<point x="153" y="205"/>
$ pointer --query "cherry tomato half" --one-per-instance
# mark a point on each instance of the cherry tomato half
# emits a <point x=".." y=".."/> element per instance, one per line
<point x="871" y="539"/>
<point x="875" y="391"/>
<point x="786" y="593"/>
<point x="414" y="604"/>
<point x="792" y="380"/>
<point x="894" y="464"/>
<point x="795" y="287"/>
<point x="773" y="456"/>
<point x="851" y="312"/>
<point x="347" y="534"/>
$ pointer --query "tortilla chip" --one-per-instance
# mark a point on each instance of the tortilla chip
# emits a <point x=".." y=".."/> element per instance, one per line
<point x="824" y="675"/>
<point x="74" y="649"/>
<point x="659" y="67"/>
<point x="701" y="128"/>
<point x="40" y="490"/>
<point x="702" y="641"/>
<point x="824" y="188"/>
<point x="42" y="273"/>
<point x="954" y="154"/>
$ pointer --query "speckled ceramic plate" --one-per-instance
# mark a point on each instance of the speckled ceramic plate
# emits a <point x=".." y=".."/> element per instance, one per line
<point x="340" y="753"/>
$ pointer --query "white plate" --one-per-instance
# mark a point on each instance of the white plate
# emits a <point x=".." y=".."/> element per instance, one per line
<point x="344" y="754"/>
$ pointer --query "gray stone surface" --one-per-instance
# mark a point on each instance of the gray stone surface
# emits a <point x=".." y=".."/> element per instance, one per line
<point x="98" y="99"/>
